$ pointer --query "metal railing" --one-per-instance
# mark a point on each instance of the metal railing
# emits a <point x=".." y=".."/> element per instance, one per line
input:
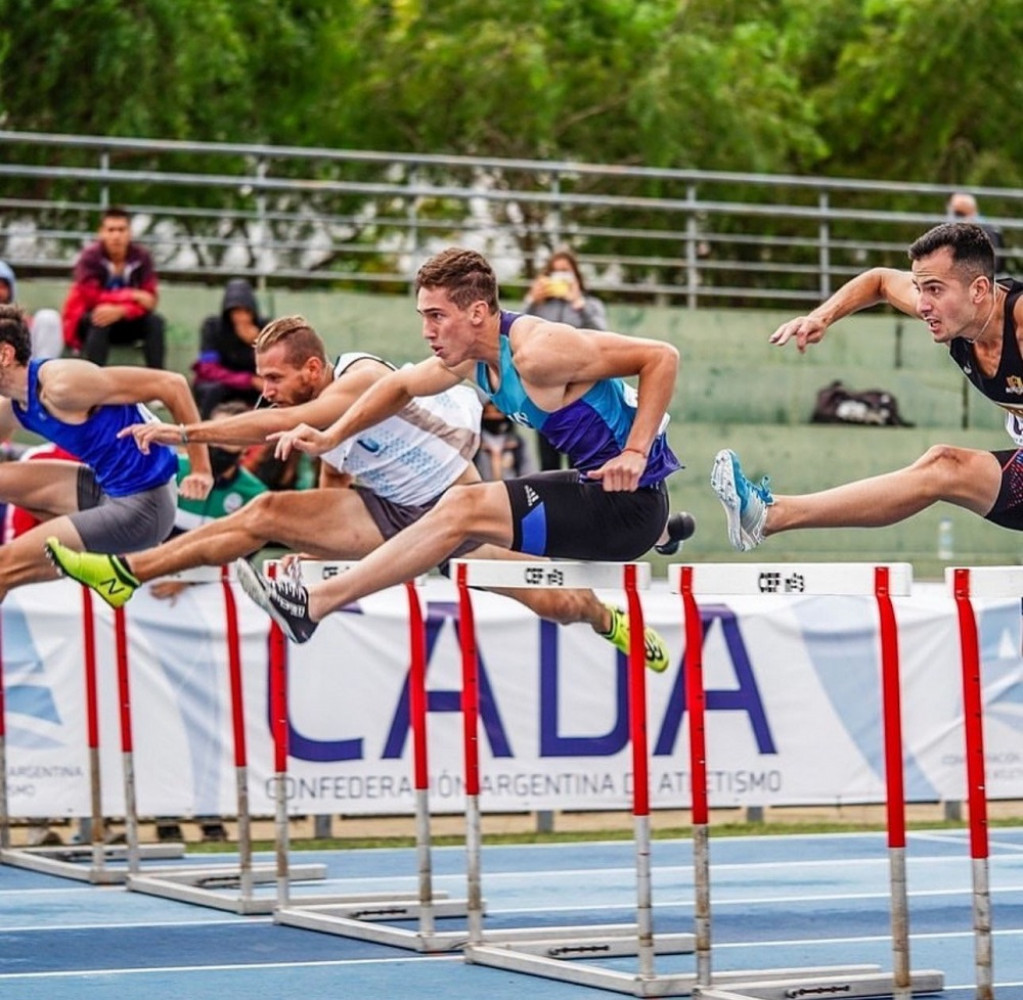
<point x="360" y="219"/>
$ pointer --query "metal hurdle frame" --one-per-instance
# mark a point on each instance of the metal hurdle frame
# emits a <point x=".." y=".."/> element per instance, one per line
<point x="85" y="863"/>
<point x="206" y="885"/>
<point x="364" y="916"/>
<point x="811" y="579"/>
<point x="558" y="952"/>
<point x="965" y="583"/>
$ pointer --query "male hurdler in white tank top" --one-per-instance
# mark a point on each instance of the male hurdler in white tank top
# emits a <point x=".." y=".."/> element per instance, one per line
<point x="412" y="457"/>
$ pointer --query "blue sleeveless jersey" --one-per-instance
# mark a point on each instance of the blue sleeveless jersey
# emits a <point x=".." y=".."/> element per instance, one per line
<point x="120" y="468"/>
<point x="591" y="430"/>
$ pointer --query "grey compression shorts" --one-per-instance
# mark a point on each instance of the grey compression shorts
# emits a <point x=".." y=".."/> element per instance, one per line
<point x="390" y="517"/>
<point x="122" y="524"/>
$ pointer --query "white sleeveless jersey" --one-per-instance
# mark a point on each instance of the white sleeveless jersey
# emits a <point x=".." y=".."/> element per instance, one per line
<point x="414" y="456"/>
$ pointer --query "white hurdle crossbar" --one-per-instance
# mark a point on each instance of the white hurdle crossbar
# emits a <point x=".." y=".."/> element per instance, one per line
<point x="964" y="584"/>
<point x="224" y="887"/>
<point x="365" y="916"/>
<point x="98" y="863"/>
<point x="810" y="579"/>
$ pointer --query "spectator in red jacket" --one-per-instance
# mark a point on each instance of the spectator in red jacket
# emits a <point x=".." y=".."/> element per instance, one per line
<point x="113" y="296"/>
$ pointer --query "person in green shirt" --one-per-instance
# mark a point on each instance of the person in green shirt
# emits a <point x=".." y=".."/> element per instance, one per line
<point x="233" y="484"/>
<point x="233" y="487"/>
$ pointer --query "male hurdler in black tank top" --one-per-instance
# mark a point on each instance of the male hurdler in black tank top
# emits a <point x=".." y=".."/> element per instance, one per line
<point x="1005" y="388"/>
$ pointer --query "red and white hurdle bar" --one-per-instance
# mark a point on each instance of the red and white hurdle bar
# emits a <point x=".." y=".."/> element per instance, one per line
<point x="543" y="952"/>
<point x="212" y="885"/>
<point x="881" y="582"/>
<point x="964" y="584"/>
<point x="92" y="863"/>
<point x="365" y="916"/>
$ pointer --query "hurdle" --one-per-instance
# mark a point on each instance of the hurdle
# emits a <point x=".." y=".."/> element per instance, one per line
<point x="210" y="885"/>
<point x="560" y="952"/>
<point x="366" y="916"/>
<point x="809" y="579"/>
<point x="93" y="862"/>
<point x="964" y="584"/>
<point x="543" y="952"/>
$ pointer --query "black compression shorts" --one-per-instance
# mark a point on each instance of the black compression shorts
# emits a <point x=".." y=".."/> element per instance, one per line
<point x="555" y="514"/>
<point x="1008" y="508"/>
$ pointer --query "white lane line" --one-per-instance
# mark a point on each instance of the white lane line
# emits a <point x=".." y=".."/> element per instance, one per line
<point x="234" y="967"/>
<point x="857" y="939"/>
<point x="748" y="902"/>
<point x="140" y="925"/>
<point x="742" y="867"/>
<point x="962" y="837"/>
<point x="972" y="987"/>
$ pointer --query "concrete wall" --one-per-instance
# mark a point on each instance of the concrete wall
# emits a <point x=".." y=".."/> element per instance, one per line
<point x="734" y="390"/>
<point x="729" y="371"/>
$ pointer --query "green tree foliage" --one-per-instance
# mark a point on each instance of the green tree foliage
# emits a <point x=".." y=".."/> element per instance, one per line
<point x="652" y="82"/>
<point x="921" y="90"/>
<point x="909" y="89"/>
<point x="216" y="70"/>
<point x="689" y="82"/>
<point x="927" y="91"/>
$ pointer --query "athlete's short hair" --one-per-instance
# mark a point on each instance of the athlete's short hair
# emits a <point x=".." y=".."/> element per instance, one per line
<point x="301" y="341"/>
<point x="972" y="252"/>
<point x="14" y="331"/>
<point x="465" y="275"/>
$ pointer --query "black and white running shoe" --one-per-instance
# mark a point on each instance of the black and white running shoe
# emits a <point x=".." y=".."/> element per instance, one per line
<point x="286" y="601"/>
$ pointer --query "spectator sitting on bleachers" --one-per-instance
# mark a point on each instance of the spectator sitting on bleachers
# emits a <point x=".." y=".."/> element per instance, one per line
<point x="226" y="366"/>
<point x="963" y="206"/>
<point x="113" y="296"/>
<point x="44" y="326"/>
<point x="233" y="485"/>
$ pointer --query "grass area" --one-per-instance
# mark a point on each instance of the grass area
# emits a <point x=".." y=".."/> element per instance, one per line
<point x="579" y="836"/>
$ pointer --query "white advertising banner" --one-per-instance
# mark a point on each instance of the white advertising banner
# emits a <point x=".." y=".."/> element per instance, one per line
<point x="793" y="704"/>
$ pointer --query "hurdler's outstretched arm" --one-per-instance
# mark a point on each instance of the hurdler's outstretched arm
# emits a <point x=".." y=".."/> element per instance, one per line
<point x="254" y="427"/>
<point x="388" y="396"/>
<point x="879" y="284"/>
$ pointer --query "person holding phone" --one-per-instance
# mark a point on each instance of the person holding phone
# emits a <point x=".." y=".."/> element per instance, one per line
<point x="558" y="294"/>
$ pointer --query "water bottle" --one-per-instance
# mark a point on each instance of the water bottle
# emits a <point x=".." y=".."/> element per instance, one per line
<point x="946" y="540"/>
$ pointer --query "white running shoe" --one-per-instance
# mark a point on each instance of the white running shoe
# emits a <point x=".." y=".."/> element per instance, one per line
<point x="745" y="503"/>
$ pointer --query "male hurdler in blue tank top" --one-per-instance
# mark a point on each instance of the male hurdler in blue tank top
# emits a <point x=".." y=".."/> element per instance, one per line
<point x="114" y="497"/>
<point x="590" y="430"/>
<point x="119" y="470"/>
<point x="567" y="382"/>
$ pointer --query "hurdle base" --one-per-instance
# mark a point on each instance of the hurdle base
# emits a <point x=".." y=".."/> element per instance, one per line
<point x="854" y="985"/>
<point x="361" y="917"/>
<point x="77" y="861"/>
<point x="206" y="886"/>
<point x="630" y="983"/>
<point x="584" y="941"/>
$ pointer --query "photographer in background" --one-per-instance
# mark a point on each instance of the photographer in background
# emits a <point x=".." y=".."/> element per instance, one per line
<point x="962" y="207"/>
<point x="559" y="294"/>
